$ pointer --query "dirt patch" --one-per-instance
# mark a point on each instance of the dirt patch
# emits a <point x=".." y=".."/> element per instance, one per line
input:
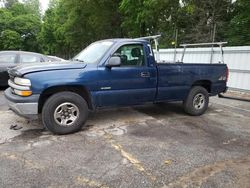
<point x="238" y="94"/>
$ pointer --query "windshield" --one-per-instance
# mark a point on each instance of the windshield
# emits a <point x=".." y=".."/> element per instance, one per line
<point x="94" y="52"/>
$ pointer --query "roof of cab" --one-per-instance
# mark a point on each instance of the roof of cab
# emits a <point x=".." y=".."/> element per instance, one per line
<point x="120" y="40"/>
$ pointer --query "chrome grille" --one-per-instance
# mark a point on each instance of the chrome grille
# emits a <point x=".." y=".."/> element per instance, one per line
<point x="11" y="77"/>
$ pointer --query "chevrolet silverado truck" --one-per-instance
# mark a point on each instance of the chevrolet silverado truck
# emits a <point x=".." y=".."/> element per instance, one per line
<point x="109" y="73"/>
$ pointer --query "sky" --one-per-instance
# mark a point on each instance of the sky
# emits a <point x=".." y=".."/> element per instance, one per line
<point x="44" y="4"/>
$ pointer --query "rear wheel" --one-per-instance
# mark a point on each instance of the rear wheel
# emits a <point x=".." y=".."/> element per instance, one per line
<point x="197" y="101"/>
<point x="65" y="113"/>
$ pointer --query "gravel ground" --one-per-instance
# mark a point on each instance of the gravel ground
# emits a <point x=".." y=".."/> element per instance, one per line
<point x="145" y="146"/>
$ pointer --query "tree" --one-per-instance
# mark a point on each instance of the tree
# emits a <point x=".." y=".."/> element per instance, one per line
<point x="9" y="3"/>
<point x="70" y="26"/>
<point x="21" y="22"/>
<point x="34" y="6"/>
<point x="5" y="17"/>
<point x="88" y="21"/>
<point x="204" y="16"/>
<point x="47" y="37"/>
<point x="18" y="9"/>
<point x="239" y="28"/>
<point x="10" y="40"/>
<point x="150" y="17"/>
<point x="134" y="21"/>
<point x="28" y="27"/>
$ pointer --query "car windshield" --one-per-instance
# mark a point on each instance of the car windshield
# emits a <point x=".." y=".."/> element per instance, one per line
<point x="94" y="52"/>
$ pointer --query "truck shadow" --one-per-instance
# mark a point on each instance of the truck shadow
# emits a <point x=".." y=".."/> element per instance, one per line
<point x="121" y="115"/>
<point x="160" y="109"/>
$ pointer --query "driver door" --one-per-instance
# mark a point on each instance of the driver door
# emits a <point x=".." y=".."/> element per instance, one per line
<point x="134" y="82"/>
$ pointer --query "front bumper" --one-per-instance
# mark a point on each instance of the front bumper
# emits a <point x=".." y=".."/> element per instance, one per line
<point x="23" y="106"/>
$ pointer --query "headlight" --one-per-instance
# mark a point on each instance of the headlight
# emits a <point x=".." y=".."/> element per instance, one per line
<point x="21" y="86"/>
<point x="22" y="81"/>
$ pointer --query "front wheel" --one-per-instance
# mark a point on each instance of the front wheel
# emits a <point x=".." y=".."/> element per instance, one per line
<point x="64" y="113"/>
<point x="197" y="101"/>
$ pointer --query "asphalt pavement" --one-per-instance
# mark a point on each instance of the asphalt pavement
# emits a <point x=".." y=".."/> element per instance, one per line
<point x="144" y="146"/>
<point x="3" y="104"/>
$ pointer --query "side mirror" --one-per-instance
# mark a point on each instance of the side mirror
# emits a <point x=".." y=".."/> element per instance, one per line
<point x="114" y="61"/>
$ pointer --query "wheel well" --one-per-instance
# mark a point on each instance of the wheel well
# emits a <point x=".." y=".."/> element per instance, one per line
<point x="80" y="90"/>
<point x="204" y="83"/>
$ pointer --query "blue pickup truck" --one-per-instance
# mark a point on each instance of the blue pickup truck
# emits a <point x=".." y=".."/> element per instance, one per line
<point x="109" y="73"/>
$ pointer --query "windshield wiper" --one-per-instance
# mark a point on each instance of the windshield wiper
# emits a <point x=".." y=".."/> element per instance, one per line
<point x="79" y="60"/>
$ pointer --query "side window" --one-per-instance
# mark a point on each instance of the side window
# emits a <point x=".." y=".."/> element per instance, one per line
<point x="7" y="58"/>
<point x="131" y="55"/>
<point x="27" y="58"/>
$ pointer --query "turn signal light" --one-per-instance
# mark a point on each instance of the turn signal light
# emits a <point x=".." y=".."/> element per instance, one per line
<point x="227" y="75"/>
<point x="23" y="93"/>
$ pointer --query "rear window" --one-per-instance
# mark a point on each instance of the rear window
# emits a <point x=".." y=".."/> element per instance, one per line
<point x="7" y="58"/>
<point x="27" y="58"/>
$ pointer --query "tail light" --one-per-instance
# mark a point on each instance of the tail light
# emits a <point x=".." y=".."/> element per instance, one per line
<point x="227" y="74"/>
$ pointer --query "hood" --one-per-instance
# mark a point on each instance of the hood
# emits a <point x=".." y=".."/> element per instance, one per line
<point x="38" y="67"/>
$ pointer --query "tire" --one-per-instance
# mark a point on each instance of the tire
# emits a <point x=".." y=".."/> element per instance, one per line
<point x="197" y="101"/>
<point x="65" y="113"/>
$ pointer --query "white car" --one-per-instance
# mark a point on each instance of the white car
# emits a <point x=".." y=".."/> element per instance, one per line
<point x="54" y="58"/>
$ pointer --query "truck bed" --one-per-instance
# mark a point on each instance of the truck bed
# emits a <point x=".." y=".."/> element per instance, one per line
<point x="175" y="80"/>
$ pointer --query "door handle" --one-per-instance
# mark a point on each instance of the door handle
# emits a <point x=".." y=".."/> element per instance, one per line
<point x="145" y="74"/>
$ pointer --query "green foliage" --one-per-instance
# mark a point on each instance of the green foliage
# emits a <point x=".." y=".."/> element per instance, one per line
<point x="25" y="24"/>
<point x="9" y="3"/>
<point x="20" y="22"/>
<point x="33" y="6"/>
<point x="195" y="20"/>
<point x="69" y="26"/>
<point x="18" y="9"/>
<point x="239" y="28"/>
<point x="10" y="40"/>
<point x="204" y="16"/>
<point x="5" y="17"/>
<point x="47" y="36"/>
<point x="134" y="17"/>
<point x="67" y="32"/>
<point x="149" y="16"/>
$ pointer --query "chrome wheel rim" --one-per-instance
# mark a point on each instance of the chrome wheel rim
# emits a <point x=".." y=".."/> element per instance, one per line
<point x="66" y="114"/>
<point x="199" y="101"/>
